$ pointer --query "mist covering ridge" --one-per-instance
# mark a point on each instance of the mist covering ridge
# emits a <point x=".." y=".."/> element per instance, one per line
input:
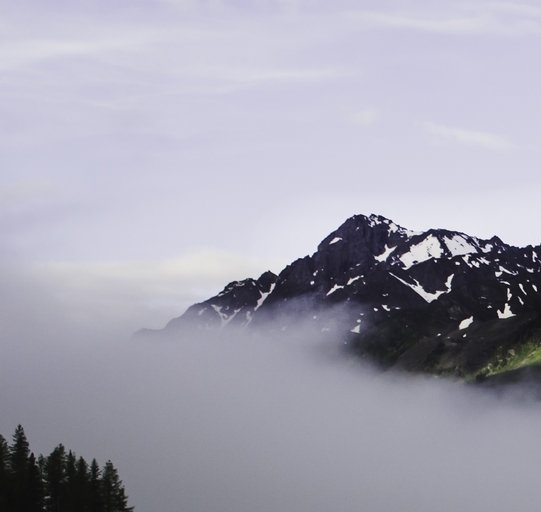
<point x="439" y="301"/>
<point x="224" y="422"/>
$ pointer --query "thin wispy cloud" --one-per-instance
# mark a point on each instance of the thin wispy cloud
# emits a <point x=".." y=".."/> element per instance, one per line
<point x="230" y="79"/>
<point x="457" y="25"/>
<point x="473" y="138"/>
<point x="27" y="52"/>
<point x="518" y="9"/>
<point x="220" y="7"/>
<point x="503" y="19"/>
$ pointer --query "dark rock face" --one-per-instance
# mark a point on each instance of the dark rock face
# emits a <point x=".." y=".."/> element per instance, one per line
<point x="234" y="305"/>
<point x="437" y="301"/>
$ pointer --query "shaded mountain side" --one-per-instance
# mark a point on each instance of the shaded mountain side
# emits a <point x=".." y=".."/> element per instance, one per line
<point x="438" y="301"/>
<point x="409" y="341"/>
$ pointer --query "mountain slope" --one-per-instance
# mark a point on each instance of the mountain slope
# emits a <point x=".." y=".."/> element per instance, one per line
<point x="438" y="301"/>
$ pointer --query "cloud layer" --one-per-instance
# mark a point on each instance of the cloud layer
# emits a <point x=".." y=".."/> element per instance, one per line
<point x="237" y="424"/>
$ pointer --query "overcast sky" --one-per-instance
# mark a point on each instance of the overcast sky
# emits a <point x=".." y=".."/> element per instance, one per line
<point x="204" y="141"/>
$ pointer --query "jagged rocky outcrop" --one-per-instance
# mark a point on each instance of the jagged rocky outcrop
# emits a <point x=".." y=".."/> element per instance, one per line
<point x="438" y="301"/>
<point x="234" y="305"/>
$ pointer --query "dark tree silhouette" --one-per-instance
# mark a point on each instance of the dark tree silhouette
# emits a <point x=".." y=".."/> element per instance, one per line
<point x="95" y="500"/>
<point x="81" y="486"/>
<point x="34" y="486"/>
<point x="54" y="477"/>
<point x="4" y="473"/>
<point x="114" y="498"/>
<point x="21" y="488"/>
<point x="59" y="482"/>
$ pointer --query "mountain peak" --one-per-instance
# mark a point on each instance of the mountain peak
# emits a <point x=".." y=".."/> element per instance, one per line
<point x="373" y="231"/>
<point x="439" y="300"/>
<point x="376" y="220"/>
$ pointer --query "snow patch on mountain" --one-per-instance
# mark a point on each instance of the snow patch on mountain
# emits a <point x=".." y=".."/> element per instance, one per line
<point x="506" y="313"/>
<point x="459" y="246"/>
<point x="218" y="310"/>
<point x="428" y="296"/>
<point x="385" y="254"/>
<point x="377" y="220"/>
<point x="429" y="248"/>
<point x="224" y="317"/>
<point x="334" y="288"/>
<point x="465" y="323"/>
<point x="264" y="295"/>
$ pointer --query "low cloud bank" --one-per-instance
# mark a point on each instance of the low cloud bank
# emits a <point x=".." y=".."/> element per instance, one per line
<point x="238" y="424"/>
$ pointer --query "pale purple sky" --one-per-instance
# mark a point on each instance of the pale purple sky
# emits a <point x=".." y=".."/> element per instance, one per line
<point x="195" y="142"/>
<point x="152" y="151"/>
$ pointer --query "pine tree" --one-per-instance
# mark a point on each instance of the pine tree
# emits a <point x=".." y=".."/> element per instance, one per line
<point x="55" y="479"/>
<point x="81" y="486"/>
<point x="4" y="473"/>
<point x="60" y="482"/>
<point x="95" y="501"/>
<point x="25" y="489"/>
<point x="69" y="494"/>
<point x="114" y="495"/>
<point x="34" y="486"/>
<point x="19" y="453"/>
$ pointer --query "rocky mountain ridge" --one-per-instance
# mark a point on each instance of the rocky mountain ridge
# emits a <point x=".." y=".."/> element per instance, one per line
<point x="437" y="301"/>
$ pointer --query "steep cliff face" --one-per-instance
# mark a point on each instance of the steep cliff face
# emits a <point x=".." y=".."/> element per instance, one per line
<point x="437" y="301"/>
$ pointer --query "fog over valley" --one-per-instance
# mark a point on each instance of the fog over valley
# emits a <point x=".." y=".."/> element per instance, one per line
<point x="237" y="424"/>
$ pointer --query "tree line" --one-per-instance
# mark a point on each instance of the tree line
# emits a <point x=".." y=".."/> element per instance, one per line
<point x="59" y="482"/>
